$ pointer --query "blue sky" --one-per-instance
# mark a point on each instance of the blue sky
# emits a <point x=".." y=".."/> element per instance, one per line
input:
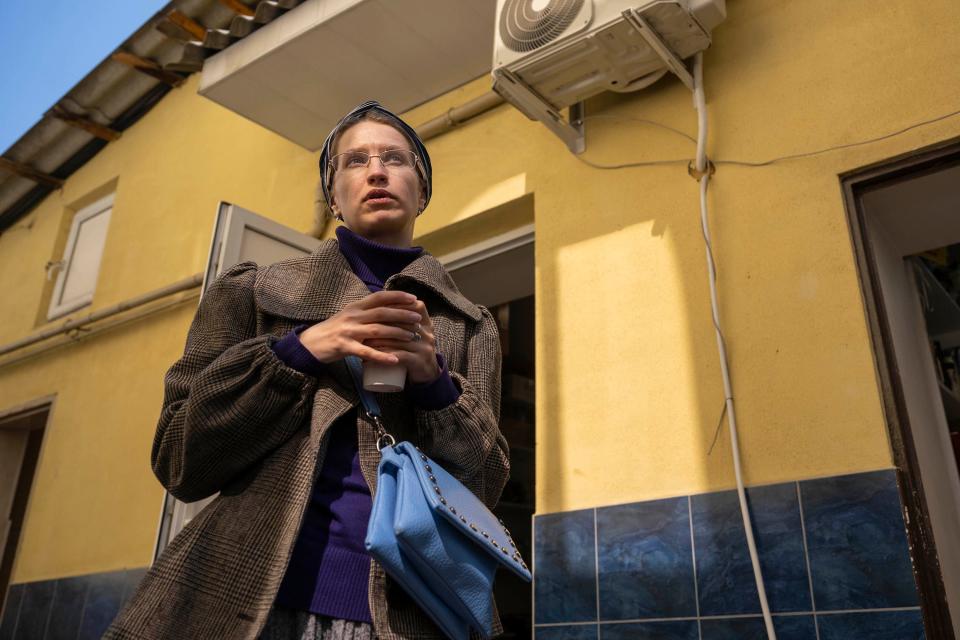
<point x="47" y="46"/>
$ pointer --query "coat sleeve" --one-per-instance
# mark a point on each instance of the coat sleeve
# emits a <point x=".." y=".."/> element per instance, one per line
<point x="229" y="400"/>
<point x="465" y="435"/>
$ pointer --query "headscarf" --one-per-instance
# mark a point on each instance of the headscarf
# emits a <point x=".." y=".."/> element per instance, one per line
<point x="373" y="105"/>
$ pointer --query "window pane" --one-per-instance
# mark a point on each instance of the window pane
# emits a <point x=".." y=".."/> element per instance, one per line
<point x="85" y="262"/>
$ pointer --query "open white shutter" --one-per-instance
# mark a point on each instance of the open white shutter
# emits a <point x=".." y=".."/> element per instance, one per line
<point x="238" y="235"/>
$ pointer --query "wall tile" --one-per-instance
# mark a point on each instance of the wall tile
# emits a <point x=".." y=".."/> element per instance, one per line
<point x="725" y="582"/>
<point x="67" y="608"/>
<point x="645" y="560"/>
<point x="873" y="625"/>
<point x="787" y="628"/>
<point x="725" y="578"/>
<point x="795" y="627"/>
<point x="565" y="585"/>
<point x="35" y="609"/>
<point x="644" y="565"/>
<point x="61" y="609"/>
<point x="573" y="632"/>
<point x="131" y="581"/>
<point x="104" y="596"/>
<point x="857" y="543"/>
<point x="775" y="510"/>
<point x="11" y="610"/>
<point x="666" y="630"/>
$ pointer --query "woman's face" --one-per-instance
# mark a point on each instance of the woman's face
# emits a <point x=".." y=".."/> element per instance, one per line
<point x="377" y="202"/>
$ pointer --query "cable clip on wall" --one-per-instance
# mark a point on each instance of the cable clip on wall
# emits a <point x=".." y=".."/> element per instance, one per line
<point x="696" y="174"/>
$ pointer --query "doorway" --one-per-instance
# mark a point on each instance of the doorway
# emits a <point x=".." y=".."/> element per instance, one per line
<point x="898" y="211"/>
<point x="499" y="274"/>
<point x="21" y="435"/>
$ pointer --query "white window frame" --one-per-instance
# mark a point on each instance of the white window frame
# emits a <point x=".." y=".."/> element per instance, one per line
<point x="58" y="309"/>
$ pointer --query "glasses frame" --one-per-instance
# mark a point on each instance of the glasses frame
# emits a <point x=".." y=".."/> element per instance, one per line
<point x="370" y="156"/>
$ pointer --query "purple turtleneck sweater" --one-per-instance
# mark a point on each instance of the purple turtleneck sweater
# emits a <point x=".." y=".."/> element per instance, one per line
<point x="329" y="569"/>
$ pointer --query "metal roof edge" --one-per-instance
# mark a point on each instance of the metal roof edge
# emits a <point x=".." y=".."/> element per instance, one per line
<point x="49" y="139"/>
<point x="35" y="196"/>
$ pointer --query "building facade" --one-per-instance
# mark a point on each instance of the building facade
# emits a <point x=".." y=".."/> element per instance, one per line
<point x="637" y="531"/>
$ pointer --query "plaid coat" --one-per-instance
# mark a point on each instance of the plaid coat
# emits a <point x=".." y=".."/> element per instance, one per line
<point x="236" y="420"/>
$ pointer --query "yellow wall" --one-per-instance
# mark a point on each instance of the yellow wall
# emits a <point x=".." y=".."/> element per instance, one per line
<point x="628" y="383"/>
<point x="95" y="505"/>
<point x="621" y="274"/>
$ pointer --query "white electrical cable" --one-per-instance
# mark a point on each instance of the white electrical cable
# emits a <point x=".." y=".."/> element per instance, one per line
<point x="702" y="167"/>
<point x="700" y="104"/>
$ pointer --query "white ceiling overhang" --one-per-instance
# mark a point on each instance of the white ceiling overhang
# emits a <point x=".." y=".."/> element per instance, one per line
<point x="299" y="74"/>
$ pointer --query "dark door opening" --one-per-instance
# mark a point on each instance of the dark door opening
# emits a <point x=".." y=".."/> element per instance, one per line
<point x="501" y="277"/>
<point x="20" y="438"/>
<point x="515" y="320"/>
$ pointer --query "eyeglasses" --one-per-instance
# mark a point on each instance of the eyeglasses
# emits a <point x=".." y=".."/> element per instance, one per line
<point x="392" y="159"/>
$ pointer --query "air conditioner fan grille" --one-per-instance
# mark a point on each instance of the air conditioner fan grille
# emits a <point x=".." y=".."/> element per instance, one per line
<point x="523" y="28"/>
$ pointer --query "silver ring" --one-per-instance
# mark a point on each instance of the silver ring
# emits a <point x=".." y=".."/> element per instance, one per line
<point x="417" y="337"/>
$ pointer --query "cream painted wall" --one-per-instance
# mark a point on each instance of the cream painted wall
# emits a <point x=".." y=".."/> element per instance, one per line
<point x="628" y="387"/>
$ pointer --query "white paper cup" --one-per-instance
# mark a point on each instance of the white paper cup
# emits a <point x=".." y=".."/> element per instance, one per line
<point x="385" y="378"/>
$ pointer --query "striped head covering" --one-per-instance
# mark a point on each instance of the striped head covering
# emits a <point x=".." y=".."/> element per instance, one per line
<point x="424" y="169"/>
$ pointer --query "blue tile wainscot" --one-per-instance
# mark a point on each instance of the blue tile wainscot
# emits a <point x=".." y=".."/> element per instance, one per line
<point x="833" y="552"/>
<point x="77" y="608"/>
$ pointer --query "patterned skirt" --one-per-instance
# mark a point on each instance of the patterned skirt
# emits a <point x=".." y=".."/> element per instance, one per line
<point x="294" y="624"/>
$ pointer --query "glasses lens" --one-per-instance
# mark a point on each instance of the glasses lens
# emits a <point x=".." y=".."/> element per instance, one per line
<point x="397" y="158"/>
<point x="352" y="160"/>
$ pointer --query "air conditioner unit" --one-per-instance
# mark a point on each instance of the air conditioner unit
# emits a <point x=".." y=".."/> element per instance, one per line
<point x="553" y="54"/>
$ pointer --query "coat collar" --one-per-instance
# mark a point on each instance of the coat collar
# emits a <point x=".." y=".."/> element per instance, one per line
<point x="317" y="286"/>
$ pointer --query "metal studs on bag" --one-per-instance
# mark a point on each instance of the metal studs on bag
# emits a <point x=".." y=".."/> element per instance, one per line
<point x="496" y="545"/>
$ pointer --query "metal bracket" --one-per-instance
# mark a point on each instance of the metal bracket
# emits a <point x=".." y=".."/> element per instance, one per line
<point x="660" y="47"/>
<point x="535" y="107"/>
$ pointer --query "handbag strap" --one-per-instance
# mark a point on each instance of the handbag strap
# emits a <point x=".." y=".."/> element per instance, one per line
<point x="370" y="404"/>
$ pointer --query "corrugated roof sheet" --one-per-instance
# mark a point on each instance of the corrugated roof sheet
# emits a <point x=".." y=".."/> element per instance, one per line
<point x="114" y="95"/>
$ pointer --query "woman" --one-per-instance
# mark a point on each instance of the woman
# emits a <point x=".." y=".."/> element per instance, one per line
<point x="262" y="408"/>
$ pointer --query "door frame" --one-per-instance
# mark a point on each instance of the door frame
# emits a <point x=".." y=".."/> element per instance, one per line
<point x="923" y="551"/>
<point x="38" y="406"/>
<point x="488" y="248"/>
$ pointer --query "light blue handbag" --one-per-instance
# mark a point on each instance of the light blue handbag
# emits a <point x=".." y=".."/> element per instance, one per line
<point x="432" y="535"/>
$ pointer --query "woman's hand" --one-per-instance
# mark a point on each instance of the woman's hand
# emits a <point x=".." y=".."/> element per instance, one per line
<point x="419" y="356"/>
<point x="384" y="315"/>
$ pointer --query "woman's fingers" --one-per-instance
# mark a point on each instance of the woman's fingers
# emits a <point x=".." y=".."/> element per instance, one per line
<point x="388" y="315"/>
<point x="404" y="344"/>
<point x="380" y="315"/>
<point x="389" y="321"/>
<point x="366" y="332"/>
<point x="368" y="353"/>
<point x="384" y="298"/>
<point x="409" y="329"/>
<point x="421" y="308"/>
<point x="419" y="357"/>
